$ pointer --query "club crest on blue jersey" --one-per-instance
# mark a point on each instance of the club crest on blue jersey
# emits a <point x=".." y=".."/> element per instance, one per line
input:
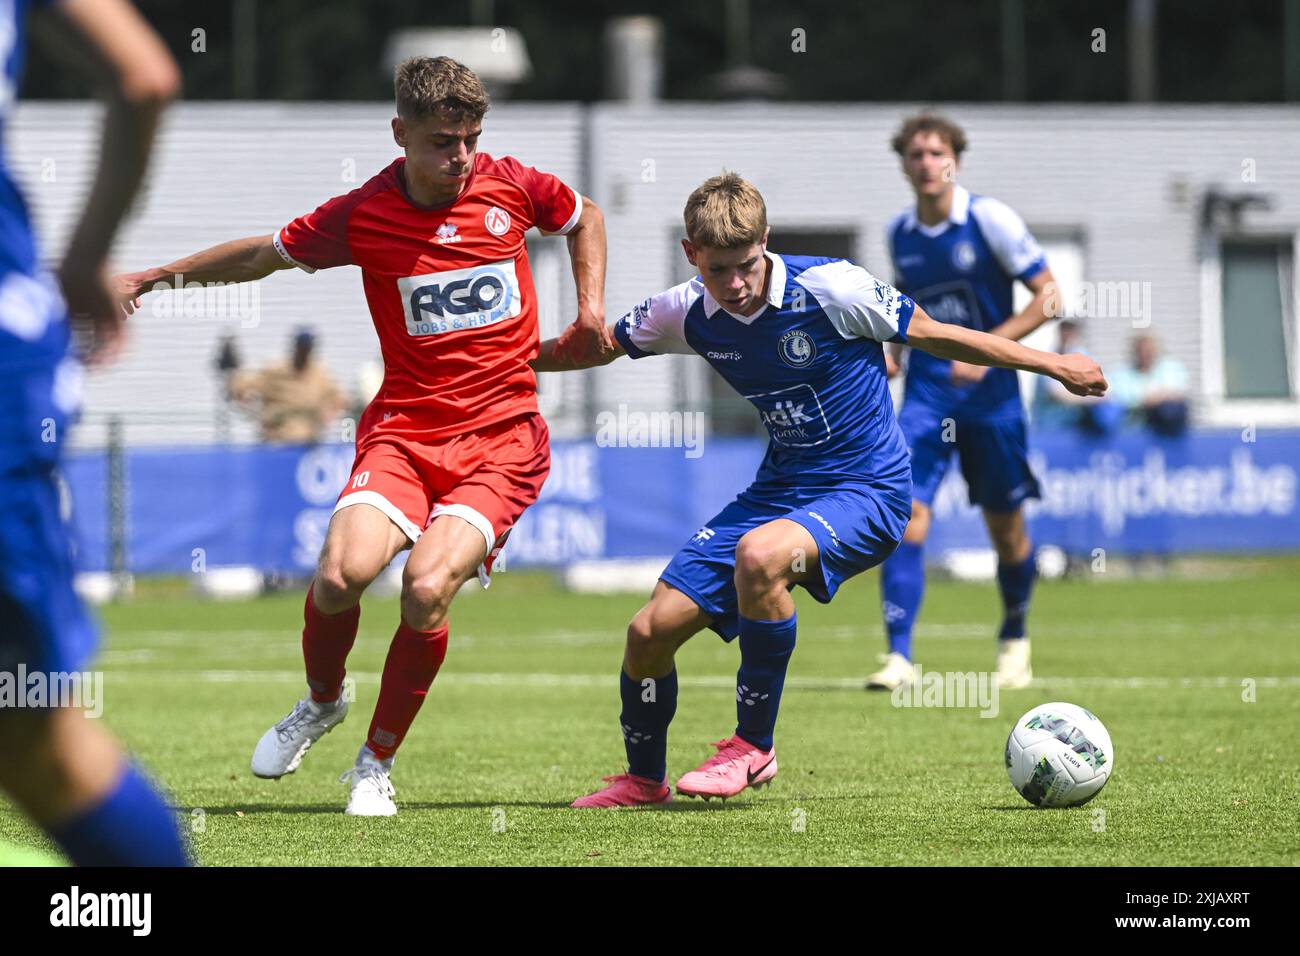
<point x="963" y="256"/>
<point x="796" y="348"/>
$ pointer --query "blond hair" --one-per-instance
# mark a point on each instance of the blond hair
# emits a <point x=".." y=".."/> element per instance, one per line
<point x="438" y="86"/>
<point x="725" y="212"/>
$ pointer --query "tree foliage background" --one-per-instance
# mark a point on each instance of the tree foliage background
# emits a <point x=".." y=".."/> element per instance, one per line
<point x="1208" y="50"/>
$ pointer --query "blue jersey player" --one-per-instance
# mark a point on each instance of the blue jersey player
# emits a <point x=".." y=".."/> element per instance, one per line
<point x="801" y="339"/>
<point x="958" y="256"/>
<point x="62" y="769"/>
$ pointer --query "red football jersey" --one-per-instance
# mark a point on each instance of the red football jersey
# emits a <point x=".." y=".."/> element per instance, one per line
<point x="449" y="289"/>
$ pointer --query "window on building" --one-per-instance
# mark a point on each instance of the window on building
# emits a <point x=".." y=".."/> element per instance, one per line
<point x="1259" y="318"/>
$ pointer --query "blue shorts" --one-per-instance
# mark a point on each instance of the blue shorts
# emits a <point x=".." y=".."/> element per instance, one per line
<point x="43" y="623"/>
<point x="994" y="456"/>
<point x="855" y="526"/>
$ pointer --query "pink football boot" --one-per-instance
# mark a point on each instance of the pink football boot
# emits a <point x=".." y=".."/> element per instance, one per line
<point x="626" y="790"/>
<point x="737" y="764"/>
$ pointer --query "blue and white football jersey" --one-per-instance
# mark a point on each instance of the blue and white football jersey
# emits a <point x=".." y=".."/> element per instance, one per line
<point x="810" y="361"/>
<point x="963" y="271"/>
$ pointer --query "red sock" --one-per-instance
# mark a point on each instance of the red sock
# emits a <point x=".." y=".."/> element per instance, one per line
<point x="413" y="661"/>
<point x="326" y="640"/>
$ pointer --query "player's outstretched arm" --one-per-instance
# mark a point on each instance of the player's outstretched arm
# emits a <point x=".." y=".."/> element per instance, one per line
<point x="1041" y="308"/>
<point x="587" y="338"/>
<point x="1078" y="373"/>
<point x="137" y="78"/>
<point x="240" y="260"/>
<point x="552" y="358"/>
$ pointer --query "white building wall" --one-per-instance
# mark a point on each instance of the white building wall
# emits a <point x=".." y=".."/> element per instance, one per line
<point x="1126" y="181"/>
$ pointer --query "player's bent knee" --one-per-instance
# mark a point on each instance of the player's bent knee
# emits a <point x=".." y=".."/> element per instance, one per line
<point x="918" y="527"/>
<point x="429" y="593"/>
<point x="341" y="581"/>
<point x="647" y="644"/>
<point x="759" y="563"/>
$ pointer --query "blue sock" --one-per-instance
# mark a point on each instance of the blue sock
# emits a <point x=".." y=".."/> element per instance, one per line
<point x="1016" y="581"/>
<point x="132" y="826"/>
<point x="765" y="649"/>
<point x="902" y="586"/>
<point x="648" y="708"/>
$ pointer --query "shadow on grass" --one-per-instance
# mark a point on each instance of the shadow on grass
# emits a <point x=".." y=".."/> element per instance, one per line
<point x="336" y="807"/>
<point x="677" y="806"/>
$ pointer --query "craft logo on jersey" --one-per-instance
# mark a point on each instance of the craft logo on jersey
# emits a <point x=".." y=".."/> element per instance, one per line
<point x="447" y="233"/>
<point x="963" y="256"/>
<point x="793" y="416"/>
<point x="796" y="348"/>
<point x="460" y="299"/>
<point x="497" y="221"/>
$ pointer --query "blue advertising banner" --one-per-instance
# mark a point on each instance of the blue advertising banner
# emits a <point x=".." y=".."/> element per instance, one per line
<point x="269" y="506"/>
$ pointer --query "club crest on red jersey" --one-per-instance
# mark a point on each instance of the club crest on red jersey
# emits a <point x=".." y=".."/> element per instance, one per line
<point x="497" y="221"/>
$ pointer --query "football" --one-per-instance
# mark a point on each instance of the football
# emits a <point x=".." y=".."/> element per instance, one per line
<point x="1059" y="755"/>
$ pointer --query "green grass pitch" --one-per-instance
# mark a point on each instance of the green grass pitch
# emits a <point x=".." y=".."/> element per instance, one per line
<point x="523" y="719"/>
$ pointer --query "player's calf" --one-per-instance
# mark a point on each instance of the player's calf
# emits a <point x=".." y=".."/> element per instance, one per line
<point x="769" y="560"/>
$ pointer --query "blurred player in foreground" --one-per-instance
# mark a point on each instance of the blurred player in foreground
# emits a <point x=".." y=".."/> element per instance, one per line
<point x="958" y="256"/>
<point x="800" y="338"/>
<point x="61" y="768"/>
<point x="452" y="449"/>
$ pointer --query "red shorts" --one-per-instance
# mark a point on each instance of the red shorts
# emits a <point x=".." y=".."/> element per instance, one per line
<point x="487" y="477"/>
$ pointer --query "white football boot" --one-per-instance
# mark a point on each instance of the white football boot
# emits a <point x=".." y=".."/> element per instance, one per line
<point x="897" y="672"/>
<point x="281" y="748"/>
<point x="1014" y="671"/>
<point x="372" y="791"/>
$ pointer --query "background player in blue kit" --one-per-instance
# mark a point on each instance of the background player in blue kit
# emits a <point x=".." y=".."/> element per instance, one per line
<point x="959" y="256"/>
<point x="800" y="338"/>
<point x="61" y="768"/>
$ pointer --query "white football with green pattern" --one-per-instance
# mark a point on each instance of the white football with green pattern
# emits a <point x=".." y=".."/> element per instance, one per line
<point x="1059" y="755"/>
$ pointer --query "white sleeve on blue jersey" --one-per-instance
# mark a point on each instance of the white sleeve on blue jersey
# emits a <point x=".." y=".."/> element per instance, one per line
<point x="1016" y="249"/>
<point x="858" y="304"/>
<point x="656" y="326"/>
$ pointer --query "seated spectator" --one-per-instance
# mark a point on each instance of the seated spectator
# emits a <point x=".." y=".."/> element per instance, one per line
<point x="1153" y="390"/>
<point x="293" y="400"/>
<point x="1055" y="407"/>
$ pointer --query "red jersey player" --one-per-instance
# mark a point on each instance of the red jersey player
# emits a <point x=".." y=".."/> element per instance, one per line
<point x="452" y="449"/>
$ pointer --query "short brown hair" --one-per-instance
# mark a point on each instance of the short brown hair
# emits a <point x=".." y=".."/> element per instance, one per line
<point x="725" y="212"/>
<point x="948" y="131"/>
<point x="438" y="86"/>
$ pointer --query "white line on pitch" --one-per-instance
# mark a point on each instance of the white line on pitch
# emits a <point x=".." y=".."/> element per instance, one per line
<point x="500" y="679"/>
